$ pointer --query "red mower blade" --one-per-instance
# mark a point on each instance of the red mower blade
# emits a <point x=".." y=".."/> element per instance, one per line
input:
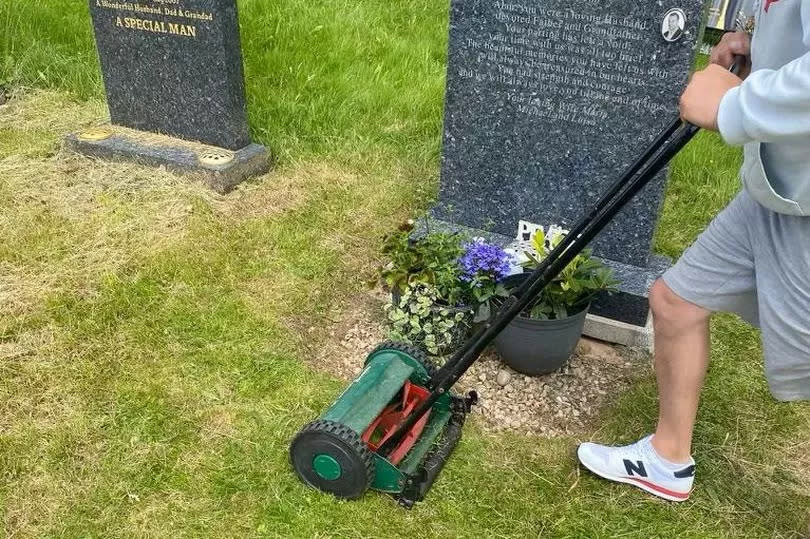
<point x="394" y="415"/>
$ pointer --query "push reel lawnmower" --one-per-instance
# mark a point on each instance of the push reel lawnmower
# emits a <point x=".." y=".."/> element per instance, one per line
<point x="396" y="425"/>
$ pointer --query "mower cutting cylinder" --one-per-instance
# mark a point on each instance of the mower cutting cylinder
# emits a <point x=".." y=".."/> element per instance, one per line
<point x="363" y="401"/>
<point x="338" y="453"/>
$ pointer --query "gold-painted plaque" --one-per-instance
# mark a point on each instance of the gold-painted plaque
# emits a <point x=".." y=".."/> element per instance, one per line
<point x="215" y="157"/>
<point x="96" y="133"/>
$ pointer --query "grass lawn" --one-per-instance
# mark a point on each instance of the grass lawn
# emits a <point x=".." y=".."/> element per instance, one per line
<point x="155" y="338"/>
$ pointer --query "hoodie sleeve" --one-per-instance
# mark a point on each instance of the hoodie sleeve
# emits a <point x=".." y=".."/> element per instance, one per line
<point x="770" y="105"/>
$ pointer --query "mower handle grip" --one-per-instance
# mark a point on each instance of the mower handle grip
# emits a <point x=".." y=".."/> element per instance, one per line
<point x="738" y="64"/>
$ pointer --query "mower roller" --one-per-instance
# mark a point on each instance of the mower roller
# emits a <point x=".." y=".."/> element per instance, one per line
<point x="394" y="428"/>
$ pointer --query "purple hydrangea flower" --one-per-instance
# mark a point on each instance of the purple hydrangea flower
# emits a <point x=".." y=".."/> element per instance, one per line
<point x="482" y="259"/>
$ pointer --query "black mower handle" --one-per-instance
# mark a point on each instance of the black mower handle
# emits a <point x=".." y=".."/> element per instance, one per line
<point x="660" y="152"/>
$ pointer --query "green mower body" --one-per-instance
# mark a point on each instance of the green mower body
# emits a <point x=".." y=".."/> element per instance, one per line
<point x="337" y="452"/>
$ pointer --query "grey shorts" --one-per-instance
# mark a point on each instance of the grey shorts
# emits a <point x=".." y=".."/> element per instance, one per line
<point x="756" y="263"/>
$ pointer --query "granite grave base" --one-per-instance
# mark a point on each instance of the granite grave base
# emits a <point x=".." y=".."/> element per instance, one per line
<point x="629" y="306"/>
<point x="222" y="170"/>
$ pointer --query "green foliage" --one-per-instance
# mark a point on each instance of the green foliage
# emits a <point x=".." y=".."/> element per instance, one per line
<point x="574" y="288"/>
<point x="432" y="260"/>
<point x="420" y="320"/>
<point x="484" y="296"/>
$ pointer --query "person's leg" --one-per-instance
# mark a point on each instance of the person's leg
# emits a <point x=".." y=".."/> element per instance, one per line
<point x="715" y="274"/>
<point x="681" y="360"/>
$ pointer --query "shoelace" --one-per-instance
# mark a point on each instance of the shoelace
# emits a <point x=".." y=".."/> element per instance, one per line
<point x="647" y="451"/>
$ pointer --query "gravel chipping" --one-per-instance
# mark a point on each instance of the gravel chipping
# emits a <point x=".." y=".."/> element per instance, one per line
<point x="563" y="403"/>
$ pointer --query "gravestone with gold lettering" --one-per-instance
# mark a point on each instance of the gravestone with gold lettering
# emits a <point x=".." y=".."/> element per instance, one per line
<point x="547" y="102"/>
<point x="175" y="89"/>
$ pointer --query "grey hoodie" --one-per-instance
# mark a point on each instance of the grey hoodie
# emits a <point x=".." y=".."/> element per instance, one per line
<point x="770" y="112"/>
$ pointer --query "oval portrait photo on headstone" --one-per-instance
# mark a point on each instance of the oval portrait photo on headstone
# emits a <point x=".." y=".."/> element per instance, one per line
<point x="674" y="25"/>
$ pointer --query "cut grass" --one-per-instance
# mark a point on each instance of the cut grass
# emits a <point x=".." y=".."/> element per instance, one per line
<point x="153" y="358"/>
<point x="151" y="385"/>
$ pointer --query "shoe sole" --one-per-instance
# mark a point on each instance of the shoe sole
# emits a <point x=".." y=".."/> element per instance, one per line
<point x="646" y="486"/>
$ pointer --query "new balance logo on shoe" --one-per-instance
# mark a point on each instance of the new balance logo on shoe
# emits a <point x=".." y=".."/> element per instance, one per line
<point x="686" y="472"/>
<point x="635" y="468"/>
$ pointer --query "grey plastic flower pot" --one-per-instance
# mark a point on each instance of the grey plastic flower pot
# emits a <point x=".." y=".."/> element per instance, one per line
<point x="536" y="347"/>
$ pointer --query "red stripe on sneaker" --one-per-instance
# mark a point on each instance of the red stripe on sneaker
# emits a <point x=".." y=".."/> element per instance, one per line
<point x="662" y="490"/>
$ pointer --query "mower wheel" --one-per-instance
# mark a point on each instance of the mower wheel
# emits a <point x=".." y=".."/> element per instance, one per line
<point x="416" y="353"/>
<point x="331" y="457"/>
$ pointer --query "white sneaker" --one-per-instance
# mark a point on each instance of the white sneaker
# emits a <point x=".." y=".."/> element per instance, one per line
<point x="639" y="465"/>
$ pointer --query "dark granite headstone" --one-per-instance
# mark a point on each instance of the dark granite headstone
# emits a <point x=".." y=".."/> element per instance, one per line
<point x="174" y="67"/>
<point x="548" y="101"/>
